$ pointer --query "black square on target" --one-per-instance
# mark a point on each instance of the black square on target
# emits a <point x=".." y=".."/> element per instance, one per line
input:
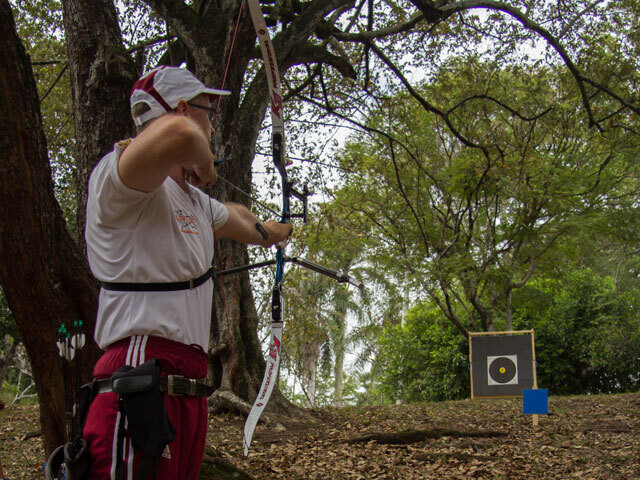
<point x="501" y="364"/>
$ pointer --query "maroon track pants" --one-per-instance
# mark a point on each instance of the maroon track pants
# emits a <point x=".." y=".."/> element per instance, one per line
<point x="188" y="415"/>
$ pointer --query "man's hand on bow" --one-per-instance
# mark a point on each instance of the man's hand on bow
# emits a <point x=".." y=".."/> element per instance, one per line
<point x="277" y="233"/>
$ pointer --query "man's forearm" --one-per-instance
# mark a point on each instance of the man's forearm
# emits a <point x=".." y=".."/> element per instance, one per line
<point x="245" y="227"/>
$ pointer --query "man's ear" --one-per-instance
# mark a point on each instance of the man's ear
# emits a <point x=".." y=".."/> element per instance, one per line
<point x="181" y="107"/>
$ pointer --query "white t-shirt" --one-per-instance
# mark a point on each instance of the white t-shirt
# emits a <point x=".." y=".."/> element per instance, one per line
<point x="160" y="236"/>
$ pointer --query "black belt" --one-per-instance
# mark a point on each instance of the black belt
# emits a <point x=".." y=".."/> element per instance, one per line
<point x="158" y="287"/>
<point x="175" y="385"/>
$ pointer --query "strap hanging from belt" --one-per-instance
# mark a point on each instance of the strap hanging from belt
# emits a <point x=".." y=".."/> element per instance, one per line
<point x="158" y="287"/>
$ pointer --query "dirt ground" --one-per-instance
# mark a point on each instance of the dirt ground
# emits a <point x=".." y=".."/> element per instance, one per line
<point x="586" y="437"/>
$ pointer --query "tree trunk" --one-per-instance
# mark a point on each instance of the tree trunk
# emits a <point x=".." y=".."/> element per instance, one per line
<point x="102" y="74"/>
<point x="509" y="310"/>
<point x="309" y="369"/>
<point x="339" y="345"/>
<point x="44" y="278"/>
<point x="239" y="368"/>
<point x="238" y="365"/>
<point x="8" y="347"/>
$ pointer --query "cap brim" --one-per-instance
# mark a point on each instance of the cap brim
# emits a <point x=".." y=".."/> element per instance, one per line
<point x="216" y="92"/>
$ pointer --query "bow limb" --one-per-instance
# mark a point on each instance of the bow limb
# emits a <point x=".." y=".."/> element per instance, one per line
<point x="278" y="152"/>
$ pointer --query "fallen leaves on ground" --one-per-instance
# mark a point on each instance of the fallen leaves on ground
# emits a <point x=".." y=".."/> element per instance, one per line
<point x="584" y="437"/>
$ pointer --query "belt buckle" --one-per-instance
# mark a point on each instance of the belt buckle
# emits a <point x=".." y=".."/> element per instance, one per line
<point x="171" y="385"/>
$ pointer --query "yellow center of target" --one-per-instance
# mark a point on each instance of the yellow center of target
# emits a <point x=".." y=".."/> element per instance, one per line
<point x="502" y="369"/>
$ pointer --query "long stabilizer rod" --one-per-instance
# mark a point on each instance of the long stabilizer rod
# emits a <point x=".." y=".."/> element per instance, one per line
<point x="339" y="276"/>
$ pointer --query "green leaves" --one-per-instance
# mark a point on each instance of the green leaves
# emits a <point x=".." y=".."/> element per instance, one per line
<point x="470" y="225"/>
<point x="424" y="358"/>
<point x="587" y="335"/>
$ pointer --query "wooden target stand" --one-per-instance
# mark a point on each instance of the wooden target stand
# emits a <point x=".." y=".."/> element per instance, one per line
<point x="503" y="364"/>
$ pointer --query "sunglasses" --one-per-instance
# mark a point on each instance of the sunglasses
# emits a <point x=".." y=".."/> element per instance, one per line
<point x="212" y="110"/>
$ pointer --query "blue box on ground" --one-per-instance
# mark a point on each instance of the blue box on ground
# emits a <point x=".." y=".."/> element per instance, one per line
<point x="535" y="401"/>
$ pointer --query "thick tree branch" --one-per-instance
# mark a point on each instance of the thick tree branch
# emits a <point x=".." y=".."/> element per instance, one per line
<point x="317" y="54"/>
<point x="405" y="197"/>
<point x="289" y="40"/>
<point x="326" y="30"/>
<point x="431" y="10"/>
<point x="180" y="16"/>
<point x="150" y="42"/>
<point x="612" y="94"/>
<point x="502" y="104"/>
<point x="434" y="12"/>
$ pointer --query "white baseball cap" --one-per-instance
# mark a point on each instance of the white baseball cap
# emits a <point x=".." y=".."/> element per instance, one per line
<point x="163" y="87"/>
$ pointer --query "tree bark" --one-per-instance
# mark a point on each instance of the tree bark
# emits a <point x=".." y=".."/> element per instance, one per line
<point x="509" y="310"/>
<point x="339" y="345"/>
<point x="310" y="355"/>
<point x="8" y="347"/>
<point x="43" y="276"/>
<point x="102" y="74"/>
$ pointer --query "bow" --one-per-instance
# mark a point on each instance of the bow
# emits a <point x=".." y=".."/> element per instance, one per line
<point x="277" y="296"/>
<point x="278" y="151"/>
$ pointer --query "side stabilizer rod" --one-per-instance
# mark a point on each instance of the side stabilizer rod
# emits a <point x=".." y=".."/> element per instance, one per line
<point x="339" y="276"/>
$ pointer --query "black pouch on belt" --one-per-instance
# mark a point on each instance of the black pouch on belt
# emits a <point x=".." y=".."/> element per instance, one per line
<point x="143" y="404"/>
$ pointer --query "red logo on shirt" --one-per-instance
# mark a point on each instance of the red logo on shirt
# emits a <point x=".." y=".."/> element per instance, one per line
<point x="186" y="222"/>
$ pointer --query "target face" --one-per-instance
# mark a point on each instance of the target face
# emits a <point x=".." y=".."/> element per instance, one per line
<point x="502" y="363"/>
<point x="502" y="370"/>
